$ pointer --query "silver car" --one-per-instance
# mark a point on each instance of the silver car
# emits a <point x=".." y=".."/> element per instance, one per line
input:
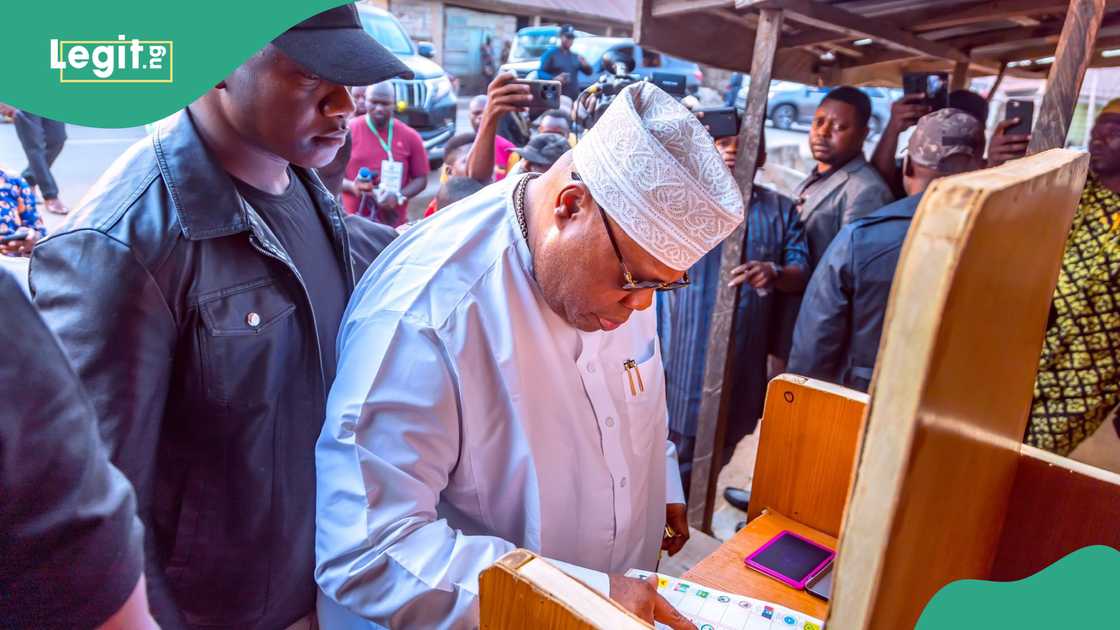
<point x="794" y="103"/>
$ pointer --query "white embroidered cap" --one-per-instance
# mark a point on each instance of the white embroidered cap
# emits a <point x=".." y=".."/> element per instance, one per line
<point x="655" y="170"/>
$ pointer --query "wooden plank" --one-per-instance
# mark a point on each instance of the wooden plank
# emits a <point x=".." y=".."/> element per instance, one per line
<point x="724" y="569"/>
<point x="854" y="26"/>
<point x="930" y="16"/>
<point x="688" y="37"/>
<point x="959" y="80"/>
<point x="995" y="85"/>
<point x="807" y="451"/>
<point x="1057" y="506"/>
<point x="522" y="590"/>
<point x="719" y="362"/>
<point x="989" y="11"/>
<point x="887" y="68"/>
<point x="1079" y="35"/>
<point x="668" y="8"/>
<point x="1043" y="37"/>
<point x="1035" y="52"/>
<point x="952" y="386"/>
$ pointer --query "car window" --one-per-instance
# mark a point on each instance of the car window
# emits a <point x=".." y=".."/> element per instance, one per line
<point x="592" y="48"/>
<point x="387" y="32"/>
<point x="651" y="59"/>
<point x="529" y="46"/>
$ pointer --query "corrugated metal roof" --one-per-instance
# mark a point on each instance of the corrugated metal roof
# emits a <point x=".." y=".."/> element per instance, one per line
<point x="592" y="10"/>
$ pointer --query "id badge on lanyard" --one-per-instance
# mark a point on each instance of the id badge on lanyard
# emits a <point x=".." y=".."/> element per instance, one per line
<point x="392" y="172"/>
<point x="392" y="176"/>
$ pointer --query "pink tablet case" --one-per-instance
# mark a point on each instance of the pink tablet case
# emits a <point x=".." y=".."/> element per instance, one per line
<point x="799" y="585"/>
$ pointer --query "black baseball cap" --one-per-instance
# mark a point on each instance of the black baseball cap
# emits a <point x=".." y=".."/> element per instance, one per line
<point x="333" y="45"/>
<point x="567" y="30"/>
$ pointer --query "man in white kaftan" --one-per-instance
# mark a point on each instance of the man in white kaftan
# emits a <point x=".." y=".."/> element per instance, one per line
<point x="500" y="384"/>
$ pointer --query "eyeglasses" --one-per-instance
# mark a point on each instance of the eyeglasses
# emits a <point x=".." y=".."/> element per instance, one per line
<point x="631" y="284"/>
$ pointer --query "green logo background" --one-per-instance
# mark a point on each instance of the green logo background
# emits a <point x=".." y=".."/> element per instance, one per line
<point x="211" y="38"/>
<point x="1078" y="591"/>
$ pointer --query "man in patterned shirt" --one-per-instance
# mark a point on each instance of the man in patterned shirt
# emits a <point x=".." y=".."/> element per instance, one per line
<point x="1077" y="383"/>
<point x="18" y="213"/>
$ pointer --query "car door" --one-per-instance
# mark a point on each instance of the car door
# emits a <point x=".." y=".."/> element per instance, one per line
<point x="807" y="106"/>
<point x="649" y="61"/>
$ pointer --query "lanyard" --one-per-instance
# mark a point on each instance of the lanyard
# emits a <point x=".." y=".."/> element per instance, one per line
<point x="388" y="146"/>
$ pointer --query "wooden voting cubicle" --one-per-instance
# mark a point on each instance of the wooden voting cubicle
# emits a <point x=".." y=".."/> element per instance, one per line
<point x="925" y="481"/>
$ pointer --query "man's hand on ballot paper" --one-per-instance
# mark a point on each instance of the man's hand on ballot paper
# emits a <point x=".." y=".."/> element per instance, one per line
<point x="676" y="528"/>
<point x="640" y="597"/>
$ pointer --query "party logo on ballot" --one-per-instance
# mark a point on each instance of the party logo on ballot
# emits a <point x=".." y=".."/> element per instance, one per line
<point x="120" y="60"/>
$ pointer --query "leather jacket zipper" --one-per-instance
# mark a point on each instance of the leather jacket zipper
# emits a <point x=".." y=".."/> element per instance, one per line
<point x="264" y="246"/>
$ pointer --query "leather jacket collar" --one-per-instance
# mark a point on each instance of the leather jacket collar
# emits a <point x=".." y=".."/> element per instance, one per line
<point x="205" y="197"/>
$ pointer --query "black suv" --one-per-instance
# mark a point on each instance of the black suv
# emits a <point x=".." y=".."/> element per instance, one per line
<point x="426" y="102"/>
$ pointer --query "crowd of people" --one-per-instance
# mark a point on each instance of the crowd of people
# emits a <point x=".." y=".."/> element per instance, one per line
<point x="249" y="392"/>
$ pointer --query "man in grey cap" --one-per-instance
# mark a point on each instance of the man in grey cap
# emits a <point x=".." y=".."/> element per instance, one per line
<point x="542" y="152"/>
<point x="837" y="334"/>
<point x="198" y="292"/>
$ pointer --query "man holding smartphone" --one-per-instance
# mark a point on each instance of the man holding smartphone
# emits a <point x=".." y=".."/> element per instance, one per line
<point x="504" y="96"/>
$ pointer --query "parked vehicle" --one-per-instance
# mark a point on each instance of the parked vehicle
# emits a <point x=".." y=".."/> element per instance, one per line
<point x="794" y="103"/>
<point x="428" y="101"/>
<point x="532" y="42"/>
<point x="528" y="46"/>
<point x="601" y="52"/>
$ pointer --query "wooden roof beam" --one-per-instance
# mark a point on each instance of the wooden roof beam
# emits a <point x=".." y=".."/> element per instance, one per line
<point x="854" y="26"/>
<point x="987" y="12"/>
<point x="1029" y="36"/>
<point x="1035" y="52"/>
<point x="667" y="8"/>
<point x="935" y="17"/>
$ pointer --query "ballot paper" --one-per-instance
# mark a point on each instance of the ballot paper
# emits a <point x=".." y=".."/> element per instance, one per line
<point x="710" y="609"/>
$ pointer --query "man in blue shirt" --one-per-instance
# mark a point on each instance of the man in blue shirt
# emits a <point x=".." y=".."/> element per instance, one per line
<point x="837" y="334"/>
<point x="559" y="63"/>
<point x="777" y="260"/>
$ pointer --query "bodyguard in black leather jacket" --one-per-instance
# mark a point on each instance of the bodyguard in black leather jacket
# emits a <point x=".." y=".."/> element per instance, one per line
<point x="186" y="315"/>
<point x="841" y="320"/>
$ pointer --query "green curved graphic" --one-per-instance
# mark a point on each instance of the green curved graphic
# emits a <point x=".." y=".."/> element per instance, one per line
<point x="1077" y="591"/>
<point x="208" y="39"/>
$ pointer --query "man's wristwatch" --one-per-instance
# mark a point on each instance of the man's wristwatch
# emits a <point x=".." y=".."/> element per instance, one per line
<point x="777" y="269"/>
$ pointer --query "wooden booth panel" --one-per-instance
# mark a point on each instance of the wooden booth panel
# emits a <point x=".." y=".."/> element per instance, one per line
<point x="522" y="590"/>
<point x="953" y="386"/>
<point x="806" y="451"/>
<point x="1057" y="506"/>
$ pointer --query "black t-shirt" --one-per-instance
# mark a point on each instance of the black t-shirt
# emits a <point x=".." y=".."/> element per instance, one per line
<point x="70" y="542"/>
<point x="302" y="231"/>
